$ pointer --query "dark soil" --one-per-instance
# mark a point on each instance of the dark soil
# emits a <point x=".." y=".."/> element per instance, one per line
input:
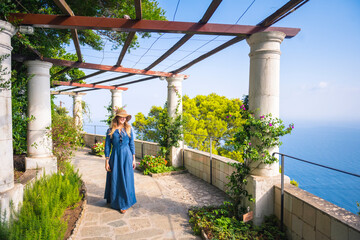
<point x="19" y="165"/>
<point x="71" y="215"/>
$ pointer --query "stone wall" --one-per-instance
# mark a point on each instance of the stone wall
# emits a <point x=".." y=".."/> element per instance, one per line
<point x="198" y="164"/>
<point x="307" y="216"/>
<point x="91" y="139"/>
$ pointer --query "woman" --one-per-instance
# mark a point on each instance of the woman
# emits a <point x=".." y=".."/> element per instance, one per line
<point x="120" y="189"/>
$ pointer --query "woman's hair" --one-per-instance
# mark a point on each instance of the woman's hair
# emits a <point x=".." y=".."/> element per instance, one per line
<point x="115" y="123"/>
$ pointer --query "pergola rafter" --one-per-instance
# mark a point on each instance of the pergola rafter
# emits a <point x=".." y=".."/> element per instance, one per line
<point x="67" y="10"/>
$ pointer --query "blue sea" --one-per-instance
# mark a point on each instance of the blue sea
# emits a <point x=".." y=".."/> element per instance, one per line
<point x="335" y="145"/>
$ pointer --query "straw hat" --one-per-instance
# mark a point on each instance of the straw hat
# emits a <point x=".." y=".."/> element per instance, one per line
<point x="123" y="113"/>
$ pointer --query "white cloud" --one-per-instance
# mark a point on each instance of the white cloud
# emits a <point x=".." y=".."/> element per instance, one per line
<point x="323" y="85"/>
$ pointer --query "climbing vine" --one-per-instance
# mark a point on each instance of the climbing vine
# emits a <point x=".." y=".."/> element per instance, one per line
<point x="252" y="142"/>
<point x="170" y="128"/>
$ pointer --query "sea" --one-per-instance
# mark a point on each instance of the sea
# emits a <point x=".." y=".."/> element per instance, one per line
<point x="336" y="145"/>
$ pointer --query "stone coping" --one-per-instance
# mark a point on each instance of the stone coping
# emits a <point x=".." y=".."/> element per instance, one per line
<point x="333" y="211"/>
<point x="141" y="141"/>
<point x="216" y="157"/>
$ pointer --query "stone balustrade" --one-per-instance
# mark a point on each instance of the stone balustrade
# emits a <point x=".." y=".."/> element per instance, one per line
<point x="307" y="216"/>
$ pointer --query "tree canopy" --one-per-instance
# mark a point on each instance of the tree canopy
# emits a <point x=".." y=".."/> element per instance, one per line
<point x="205" y="116"/>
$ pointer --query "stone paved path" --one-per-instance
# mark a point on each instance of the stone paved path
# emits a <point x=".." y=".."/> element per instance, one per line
<point x="160" y="211"/>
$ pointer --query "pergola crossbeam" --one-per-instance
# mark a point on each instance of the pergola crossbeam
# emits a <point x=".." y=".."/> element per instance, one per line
<point x="66" y="93"/>
<point x="58" y="83"/>
<point x="67" y="63"/>
<point x="128" y="25"/>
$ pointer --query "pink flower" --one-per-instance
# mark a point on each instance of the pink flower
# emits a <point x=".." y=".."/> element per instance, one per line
<point x="249" y="143"/>
<point x="227" y="116"/>
<point x="261" y="116"/>
<point x="270" y="124"/>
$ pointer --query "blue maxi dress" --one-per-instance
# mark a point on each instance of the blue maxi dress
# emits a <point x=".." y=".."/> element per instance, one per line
<point x="120" y="187"/>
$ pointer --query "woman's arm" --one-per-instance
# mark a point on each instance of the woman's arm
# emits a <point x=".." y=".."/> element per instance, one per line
<point x="107" y="150"/>
<point x="132" y="147"/>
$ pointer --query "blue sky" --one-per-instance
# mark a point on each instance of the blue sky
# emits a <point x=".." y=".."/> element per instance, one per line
<point x="319" y="71"/>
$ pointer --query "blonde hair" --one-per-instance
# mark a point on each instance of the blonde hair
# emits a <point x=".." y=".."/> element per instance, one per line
<point x="115" y="123"/>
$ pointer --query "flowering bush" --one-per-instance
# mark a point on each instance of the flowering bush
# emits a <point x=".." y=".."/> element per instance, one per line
<point x="251" y="144"/>
<point x="98" y="149"/>
<point x="154" y="164"/>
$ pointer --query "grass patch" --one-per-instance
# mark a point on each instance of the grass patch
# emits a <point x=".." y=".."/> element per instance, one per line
<point x="44" y="204"/>
<point x="218" y="223"/>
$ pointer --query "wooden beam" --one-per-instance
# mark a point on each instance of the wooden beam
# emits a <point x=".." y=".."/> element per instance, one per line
<point x="128" y="25"/>
<point x="66" y="93"/>
<point x="138" y="10"/>
<point x="103" y="81"/>
<point x="208" y="54"/>
<point x="87" y="76"/>
<point x="125" y="47"/>
<point x="285" y="10"/>
<point x="57" y="83"/>
<point x="64" y="7"/>
<point x="265" y="23"/>
<point x="67" y="63"/>
<point x="62" y="71"/>
<point x="122" y="84"/>
<point x="209" y="12"/>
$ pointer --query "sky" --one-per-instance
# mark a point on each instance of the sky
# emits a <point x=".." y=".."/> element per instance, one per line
<point x="319" y="67"/>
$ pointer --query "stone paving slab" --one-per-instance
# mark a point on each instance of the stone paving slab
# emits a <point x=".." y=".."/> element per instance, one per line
<point x="160" y="211"/>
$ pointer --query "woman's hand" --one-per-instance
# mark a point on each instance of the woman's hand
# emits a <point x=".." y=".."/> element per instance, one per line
<point x="134" y="162"/>
<point x="107" y="166"/>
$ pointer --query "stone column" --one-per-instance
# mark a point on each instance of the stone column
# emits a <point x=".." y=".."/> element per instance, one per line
<point x="39" y="149"/>
<point x="77" y="110"/>
<point x="264" y="96"/>
<point x="174" y="101"/>
<point x="116" y="98"/>
<point x="9" y="192"/>
<point x="264" y="82"/>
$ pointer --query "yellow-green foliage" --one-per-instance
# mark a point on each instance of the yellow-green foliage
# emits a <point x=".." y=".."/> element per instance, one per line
<point x="211" y="115"/>
<point x="295" y="183"/>
<point x="44" y="204"/>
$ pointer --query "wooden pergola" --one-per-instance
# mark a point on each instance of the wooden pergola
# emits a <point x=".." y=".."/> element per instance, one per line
<point x="72" y="22"/>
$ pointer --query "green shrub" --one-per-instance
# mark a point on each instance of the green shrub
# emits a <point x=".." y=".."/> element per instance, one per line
<point x="155" y="164"/>
<point x="98" y="149"/>
<point x="44" y="204"/>
<point x="219" y="223"/>
<point x="66" y="136"/>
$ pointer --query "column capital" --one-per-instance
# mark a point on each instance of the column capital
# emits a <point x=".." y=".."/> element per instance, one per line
<point x="37" y="64"/>
<point x="9" y="30"/>
<point x="77" y="97"/>
<point x="265" y="42"/>
<point x="174" y="79"/>
<point x="116" y="92"/>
